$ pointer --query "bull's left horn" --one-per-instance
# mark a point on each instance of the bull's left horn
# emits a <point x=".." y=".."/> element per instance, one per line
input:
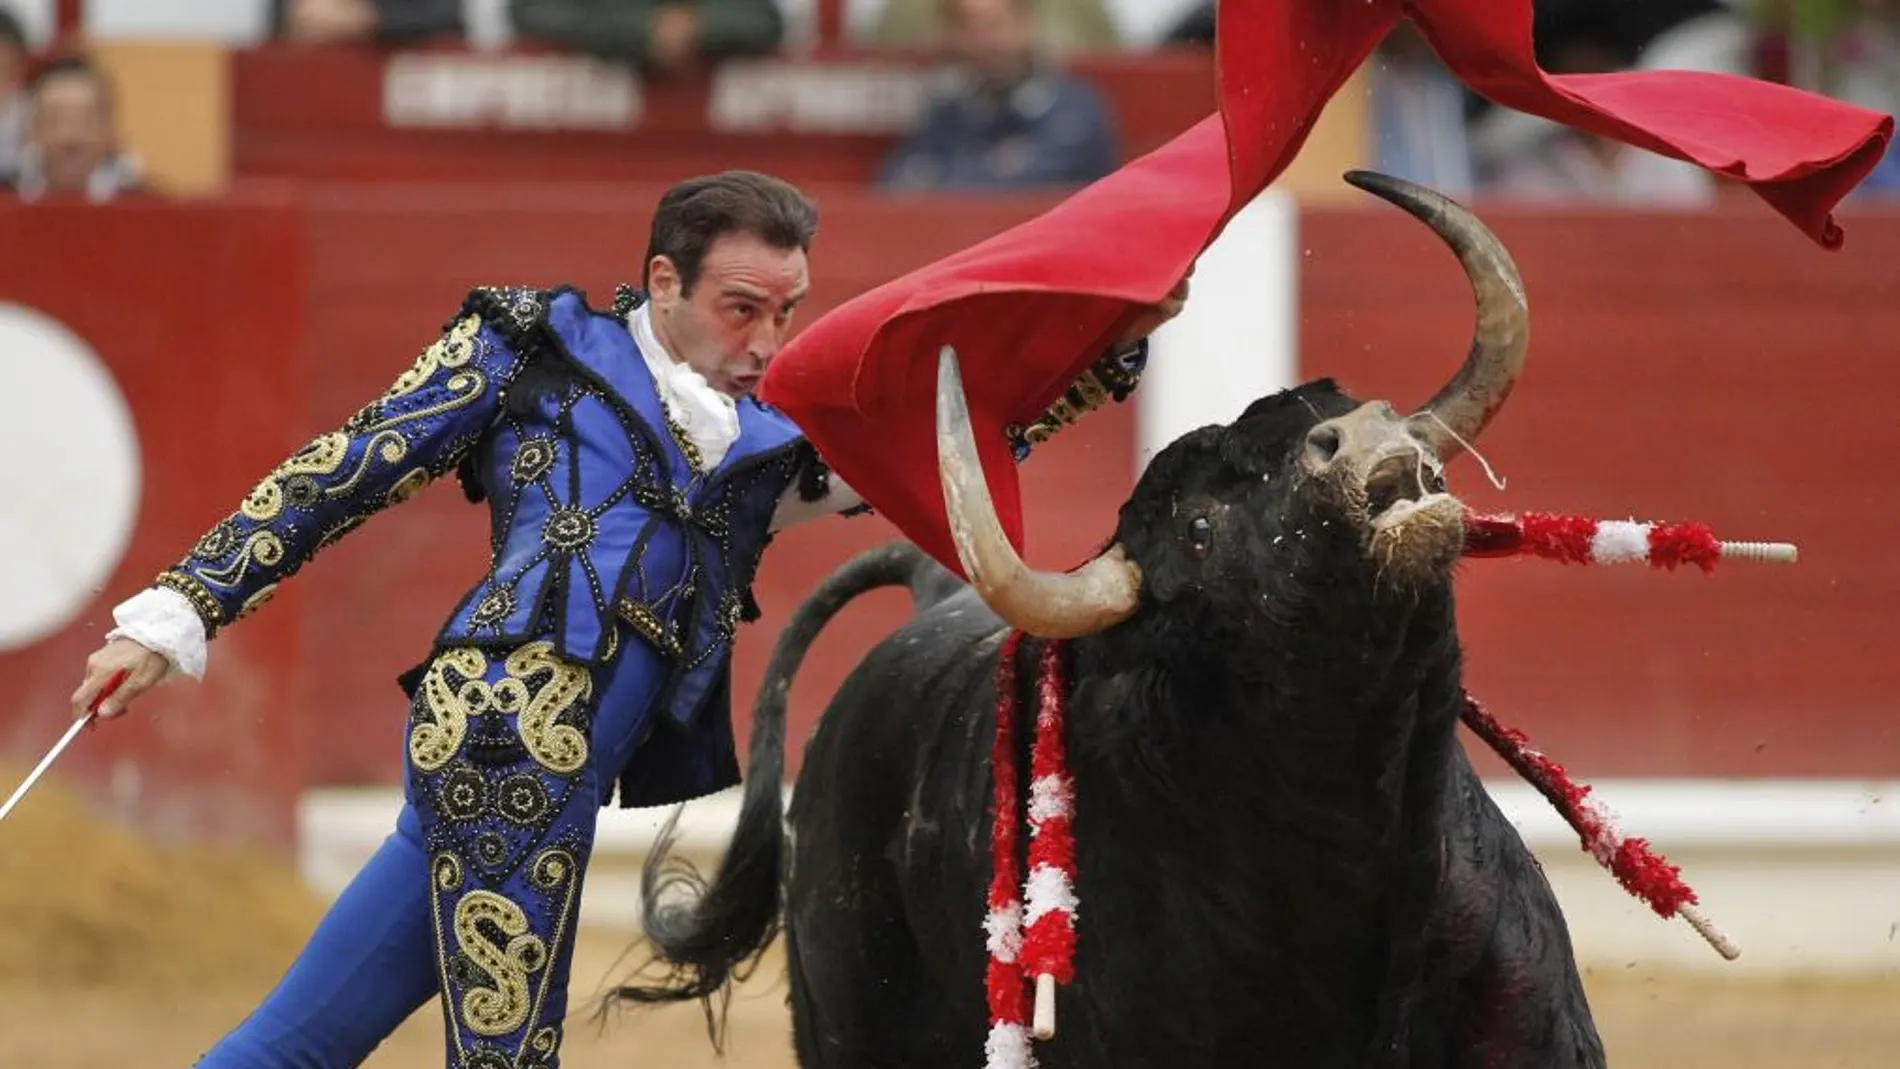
<point x="1458" y="414"/>
<point x="1052" y="605"/>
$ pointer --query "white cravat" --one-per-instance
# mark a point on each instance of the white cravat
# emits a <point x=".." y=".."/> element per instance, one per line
<point x="709" y="418"/>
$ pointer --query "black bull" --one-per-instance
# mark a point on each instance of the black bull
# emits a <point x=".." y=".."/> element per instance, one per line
<point x="1283" y="856"/>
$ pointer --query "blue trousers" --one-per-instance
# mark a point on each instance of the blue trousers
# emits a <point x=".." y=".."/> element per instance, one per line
<point x="475" y="895"/>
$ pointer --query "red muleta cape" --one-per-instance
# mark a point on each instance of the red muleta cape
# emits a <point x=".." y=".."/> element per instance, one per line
<point x="1029" y="309"/>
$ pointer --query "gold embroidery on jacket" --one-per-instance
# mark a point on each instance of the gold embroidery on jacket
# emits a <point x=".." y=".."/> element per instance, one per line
<point x="322" y="455"/>
<point x="262" y="547"/>
<point x="453" y="349"/>
<point x="265" y="540"/>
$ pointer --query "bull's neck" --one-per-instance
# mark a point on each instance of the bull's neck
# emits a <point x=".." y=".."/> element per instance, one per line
<point x="1294" y="798"/>
<point x="1313" y="741"/>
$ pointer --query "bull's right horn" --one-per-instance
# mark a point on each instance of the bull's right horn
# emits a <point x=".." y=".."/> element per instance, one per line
<point x="1459" y="412"/>
<point x="1051" y="605"/>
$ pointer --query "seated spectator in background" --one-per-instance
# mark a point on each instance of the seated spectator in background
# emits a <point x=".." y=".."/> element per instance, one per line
<point x="1523" y="157"/>
<point x="322" y="22"/>
<point x="660" y="36"/>
<point x="1419" y="111"/>
<point x="1846" y="49"/>
<point x="1062" y="26"/>
<point x="72" y="143"/>
<point x="13" y="60"/>
<point x="1009" y="118"/>
<point x="1194" y="29"/>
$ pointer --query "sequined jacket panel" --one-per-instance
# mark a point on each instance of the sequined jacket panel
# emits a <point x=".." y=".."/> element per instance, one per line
<point x="600" y="510"/>
<point x="546" y="409"/>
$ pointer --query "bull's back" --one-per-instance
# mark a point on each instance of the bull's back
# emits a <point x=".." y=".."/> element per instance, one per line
<point x="908" y="704"/>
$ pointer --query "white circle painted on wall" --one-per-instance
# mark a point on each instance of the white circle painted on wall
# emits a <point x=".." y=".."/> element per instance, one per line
<point x="69" y="476"/>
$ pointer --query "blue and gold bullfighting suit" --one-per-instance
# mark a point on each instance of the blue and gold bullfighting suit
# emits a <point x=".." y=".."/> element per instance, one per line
<point x="621" y="567"/>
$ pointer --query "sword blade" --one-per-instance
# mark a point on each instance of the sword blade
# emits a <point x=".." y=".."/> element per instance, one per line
<point x="45" y="763"/>
<point x="64" y="741"/>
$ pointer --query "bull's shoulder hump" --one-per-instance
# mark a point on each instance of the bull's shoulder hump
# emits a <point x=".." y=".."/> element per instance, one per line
<point x="959" y="630"/>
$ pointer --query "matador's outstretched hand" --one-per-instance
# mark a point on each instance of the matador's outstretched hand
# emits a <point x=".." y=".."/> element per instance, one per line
<point x="1152" y="318"/>
<point x="143" y="671"/>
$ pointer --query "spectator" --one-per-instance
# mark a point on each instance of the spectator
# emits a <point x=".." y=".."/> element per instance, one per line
<point x="72" y="143"/>
<point x="13" y="60"/>
<point x="1524" y="157"/>
<point x="661" y="36"/>
<point x="323" y="22"/>
<point x="1194" y="29"/>
<point x="1062" y="26"/>
<point x="1845" y="49"/>
<point x="1418" y="114"/>
<point x="1009" y="118"/>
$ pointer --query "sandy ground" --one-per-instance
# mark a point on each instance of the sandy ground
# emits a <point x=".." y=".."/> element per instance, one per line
<point x="1648" y="1022"/>
<point x="115" y="954"/>
<point x="75" y="1026"/>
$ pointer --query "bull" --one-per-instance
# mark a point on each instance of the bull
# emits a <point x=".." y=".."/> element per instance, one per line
<point x="1283" y="854"/>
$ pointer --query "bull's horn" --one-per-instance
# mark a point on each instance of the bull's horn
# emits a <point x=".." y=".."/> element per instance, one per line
<point x="1052" y="605"/>
<point x="1474" y="395"/>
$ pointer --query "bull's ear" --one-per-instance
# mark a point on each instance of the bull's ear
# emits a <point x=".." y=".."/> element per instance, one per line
<point x="1168" y="570"/>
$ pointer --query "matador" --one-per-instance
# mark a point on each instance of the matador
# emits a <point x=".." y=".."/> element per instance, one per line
<point x="632" y="484"/>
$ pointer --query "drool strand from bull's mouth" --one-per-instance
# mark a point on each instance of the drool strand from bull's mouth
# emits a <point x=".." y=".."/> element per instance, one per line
<point x="1393" y="480"/>
<point x="1464" y="406"/>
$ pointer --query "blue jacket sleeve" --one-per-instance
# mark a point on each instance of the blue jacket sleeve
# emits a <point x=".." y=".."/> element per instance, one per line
<point x="418" y="430"/>
<point x="1113" y="377"/>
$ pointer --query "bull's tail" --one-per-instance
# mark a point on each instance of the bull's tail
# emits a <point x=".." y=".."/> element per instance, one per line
<point x="713" y="935"/>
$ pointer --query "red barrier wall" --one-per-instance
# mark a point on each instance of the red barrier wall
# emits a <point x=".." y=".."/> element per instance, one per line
<point x="196" y="312"/>
<point x="1712" y="367"/>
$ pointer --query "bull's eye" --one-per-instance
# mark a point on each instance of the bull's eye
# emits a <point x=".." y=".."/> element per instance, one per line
<point x="1200" y="532"/>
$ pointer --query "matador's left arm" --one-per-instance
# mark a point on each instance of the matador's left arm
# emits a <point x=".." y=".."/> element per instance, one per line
<point x="819" y="492"/>
<point x="418" y="430"/>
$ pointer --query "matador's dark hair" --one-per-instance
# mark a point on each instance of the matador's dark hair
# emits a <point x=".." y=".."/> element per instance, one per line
<point x="699" y="210"/>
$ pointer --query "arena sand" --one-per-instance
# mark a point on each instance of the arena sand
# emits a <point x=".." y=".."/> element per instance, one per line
<point x="115" y="953"/>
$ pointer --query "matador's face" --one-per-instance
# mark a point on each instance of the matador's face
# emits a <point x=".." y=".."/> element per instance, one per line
<point x="732" y="322"/>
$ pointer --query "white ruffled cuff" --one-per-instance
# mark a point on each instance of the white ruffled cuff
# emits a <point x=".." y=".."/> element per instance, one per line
<point x="163" y="621"/>
<point x="793" y="510"/>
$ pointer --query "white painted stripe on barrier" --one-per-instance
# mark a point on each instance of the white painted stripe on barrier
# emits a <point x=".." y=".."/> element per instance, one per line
<point x="1801" y="872"/>
<point x="1236" y="340"/>
<point x="1671" y="814"/>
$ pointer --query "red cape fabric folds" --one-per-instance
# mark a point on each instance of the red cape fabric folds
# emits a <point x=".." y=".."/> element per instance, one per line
<point x="1029" y="309"/>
